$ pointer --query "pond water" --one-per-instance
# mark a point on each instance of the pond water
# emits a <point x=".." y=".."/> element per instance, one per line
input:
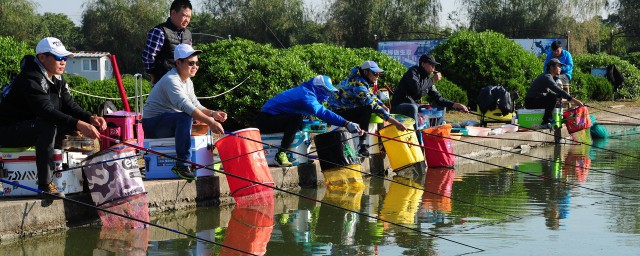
<point x="584" y="202"/>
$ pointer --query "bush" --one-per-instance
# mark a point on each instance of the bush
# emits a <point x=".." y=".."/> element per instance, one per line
<point x="10" y="57"/>
<point x="587" y="86"/>
<point x="633" y="58"/>
<point x="101" y="89"/>
<point x="451" y="91"/>
<point x="630" y="89"/>
<point x="75" y="80"/>
<point x="474" y="60"/>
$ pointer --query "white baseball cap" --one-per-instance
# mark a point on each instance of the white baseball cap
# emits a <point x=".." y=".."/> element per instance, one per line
<point x="324" y="81"/>
<point x="52" y="45"/>
<point x="371" y="65"/>
<point x="184" y="51"/>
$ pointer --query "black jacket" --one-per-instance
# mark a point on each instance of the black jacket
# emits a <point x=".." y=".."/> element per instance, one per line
<point x="172" y="38"/>
<point x="33" y="96"/>
<point x="414" y="84"/>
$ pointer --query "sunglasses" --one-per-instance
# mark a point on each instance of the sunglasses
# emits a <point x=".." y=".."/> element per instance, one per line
<point x="193" y="63"/>
<point x="58" y="58"/>
<point x="376" y="74"/>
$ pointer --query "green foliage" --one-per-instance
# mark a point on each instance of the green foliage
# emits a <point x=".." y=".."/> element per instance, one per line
<point x="108" y="89"/>
<point x="633" y="58"/>
<point x="10" y="57"/>
<point x="75" y="80"/>
<point x="630" y="89"/>
<point x="19" y="20"/>
<point x="474" y="60"/>
<point x="60" y="26"/>
<point x="451" y="91"/>
<point x="587" y="86"/>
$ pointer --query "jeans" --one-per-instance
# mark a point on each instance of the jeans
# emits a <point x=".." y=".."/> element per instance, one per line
<point x="287" y="124"/>
<point x="36" y="132"/>
<point x="167" y="125"/>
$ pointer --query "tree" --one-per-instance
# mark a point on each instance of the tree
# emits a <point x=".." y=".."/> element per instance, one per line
<point x="120" y="27"/>
<point x="60" y="26"/>
<point x="19" y="20"/>
<point x="354" y="23"/>
<point x="629" y="19"/>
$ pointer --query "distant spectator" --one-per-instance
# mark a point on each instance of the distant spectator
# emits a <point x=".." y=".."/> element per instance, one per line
<point x="564" y="57"/>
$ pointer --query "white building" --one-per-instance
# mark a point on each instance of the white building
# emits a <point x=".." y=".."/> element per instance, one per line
<point x="91" y="65"/>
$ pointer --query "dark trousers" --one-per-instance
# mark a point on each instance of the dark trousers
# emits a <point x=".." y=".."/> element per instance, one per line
<point x="359" y="115"/>
<point x="39" y="133"/>
<point x="548" y="103"/>
<point x="410" y="110"/>
<point x="288" y="124"/>
<point x="167" y="125"/>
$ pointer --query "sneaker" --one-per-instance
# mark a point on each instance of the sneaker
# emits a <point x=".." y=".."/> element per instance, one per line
<point x="363" y="151"/>
<point x="51" y="189"/>
<point x="184" y="172"/>
<point x="282" y="160"/>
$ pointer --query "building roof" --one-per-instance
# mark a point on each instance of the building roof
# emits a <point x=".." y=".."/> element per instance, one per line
<point x="89" y="54"/>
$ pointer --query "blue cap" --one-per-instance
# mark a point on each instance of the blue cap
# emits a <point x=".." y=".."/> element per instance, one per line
<point x="325" y="82"/>
<point x="371" y="65"/>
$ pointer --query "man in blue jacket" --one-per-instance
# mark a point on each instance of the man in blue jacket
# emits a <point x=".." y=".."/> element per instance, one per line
<point x="564" y="57"/>
<point x="284" y="112"/>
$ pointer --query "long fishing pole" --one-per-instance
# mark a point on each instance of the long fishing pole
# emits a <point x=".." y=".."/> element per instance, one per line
<point x="386" y="179"/>
<point x="591" y="106"/>
<point x="535" y="157"/>
<point x="504" y="167"/>
<point x="572" y="140"/>
<point x="119" y="214"/>
<point x="289" y="192"/>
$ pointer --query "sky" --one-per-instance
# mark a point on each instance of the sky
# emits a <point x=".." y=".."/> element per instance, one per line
<point x="73" y="8"/>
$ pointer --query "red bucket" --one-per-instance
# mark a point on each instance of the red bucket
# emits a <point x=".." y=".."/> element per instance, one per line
<point x="438" y="149"/>
<point x="242" y="155"/>
<point x="577" y="119"/>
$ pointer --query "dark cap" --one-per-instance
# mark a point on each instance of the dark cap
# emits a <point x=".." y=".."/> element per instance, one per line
<point x="555" y="61"/>
<point x="428" y="58"/>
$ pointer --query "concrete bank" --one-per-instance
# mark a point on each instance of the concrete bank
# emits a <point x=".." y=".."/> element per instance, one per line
<point x="29" y="216"/>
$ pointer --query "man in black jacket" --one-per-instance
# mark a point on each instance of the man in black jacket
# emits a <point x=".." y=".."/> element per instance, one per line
<point x="417" y="82"/>
<point x="163" y="39"/>
<point x="38" y="110"/>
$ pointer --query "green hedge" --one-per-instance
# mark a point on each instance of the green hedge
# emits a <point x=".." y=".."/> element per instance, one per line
<point x="630" y="89"/>
<point x="75" y="80"/>
<point x="587" y="86"/>
<point x="10" y="56"/>
<point x="451" y="91"/>
<point x="633" y="58"/>
<point x="108" y="89"/>
<point x="474" y="60"/>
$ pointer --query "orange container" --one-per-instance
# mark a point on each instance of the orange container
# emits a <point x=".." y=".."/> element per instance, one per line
<point x="242" y="155"/>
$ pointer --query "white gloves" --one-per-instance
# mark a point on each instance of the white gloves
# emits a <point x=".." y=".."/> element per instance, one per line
<point x="354" y="128"/>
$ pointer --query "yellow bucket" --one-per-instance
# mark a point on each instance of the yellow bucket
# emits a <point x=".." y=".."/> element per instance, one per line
<point x="402" y="202"/>
<point x="401" y="154"/>
<point x="344" y="176"/>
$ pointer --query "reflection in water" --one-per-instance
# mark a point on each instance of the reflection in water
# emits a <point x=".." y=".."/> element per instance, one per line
<point x="336" y="225"/>
<point x="251" y="224"/>
<point x="402" y="202"/>
<point x="578" y="162"/>
<point x="130" y="242"/>
<point x="436" y="200"/>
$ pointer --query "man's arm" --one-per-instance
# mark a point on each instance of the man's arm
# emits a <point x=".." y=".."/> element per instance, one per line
<point x="155" y="40"/>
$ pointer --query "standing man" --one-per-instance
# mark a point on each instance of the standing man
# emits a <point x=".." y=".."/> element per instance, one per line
<point x="545" y="92"/>
<point x="417" y="82"/>
<point x="565" y="58"/>
<point x="38" y="110"/>
<point x="163" y="39"/>
<point x="172" y="105"/>
<point x="284" y="112"/>
<point x="355" y="102"/>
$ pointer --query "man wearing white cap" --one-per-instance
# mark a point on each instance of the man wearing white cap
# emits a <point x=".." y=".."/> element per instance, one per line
<point x="172" y="106"/>
<point x="284" y="113"/>
<point x="38" y="110"/>
<point x="355" y="102"/>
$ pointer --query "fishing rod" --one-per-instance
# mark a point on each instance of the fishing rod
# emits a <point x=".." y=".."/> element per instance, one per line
<point x="289" y="192"/>
<point x="539" y="158"/>
<point x="120" y="215"/>
<point x="591" y="106"/>
<point x="386" y="179"/>
<point x="504" y="167"/>
<point x="572" y="140"/>
<point x="96" y="163"/>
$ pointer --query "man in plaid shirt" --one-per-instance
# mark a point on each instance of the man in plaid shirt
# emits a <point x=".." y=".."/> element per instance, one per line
<point x="163" y="39"/>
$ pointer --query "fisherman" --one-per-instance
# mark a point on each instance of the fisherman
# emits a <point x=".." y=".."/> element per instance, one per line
<point x="545" y="92"/>
<point x="172" y="106"/>
<point x="355" y="102"/>
<point x="38" y="110"/>
<point x="285" y="111"/>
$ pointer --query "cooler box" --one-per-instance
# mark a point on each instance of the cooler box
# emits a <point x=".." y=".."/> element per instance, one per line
<point x="158" y="167"/>
<point x="122" y="125"/>
<point x="529" y="117"/>
<point x="21" y="167"/>
<point x="301" y="145"/>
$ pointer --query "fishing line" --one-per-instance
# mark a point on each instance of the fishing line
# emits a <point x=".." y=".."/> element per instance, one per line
<point x="540" y="158"/>
<point x="508" y="168"/>
<point x="591" y="106"/>
<point x="92" y="164"/>
<point x="291" y="193"/>
<point x="120" y="215"/>
<point x="390" y="180"/>
<point x="574" y="141"/>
